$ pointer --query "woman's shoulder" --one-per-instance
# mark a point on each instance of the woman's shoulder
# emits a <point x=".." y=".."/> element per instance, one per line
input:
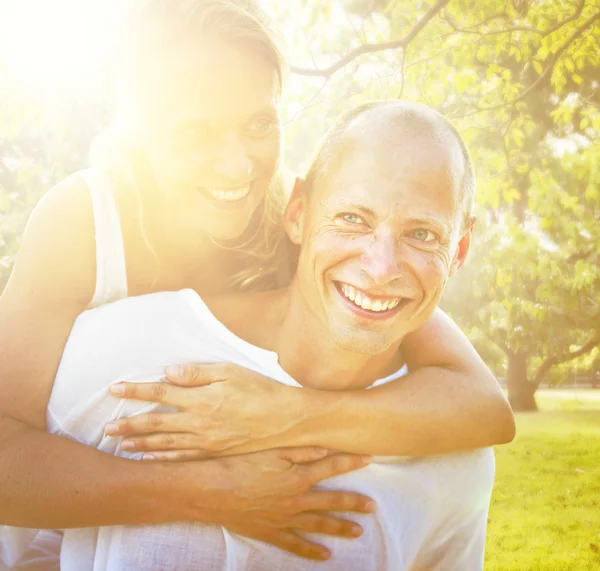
<point x="57" y="251"/>
<point x="67" y="200"/>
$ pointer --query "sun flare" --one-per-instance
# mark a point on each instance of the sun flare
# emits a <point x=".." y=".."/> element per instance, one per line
<point x="52" y="43"/>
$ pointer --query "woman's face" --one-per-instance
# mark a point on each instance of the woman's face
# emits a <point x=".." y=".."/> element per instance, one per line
<point x="211" y="135"/>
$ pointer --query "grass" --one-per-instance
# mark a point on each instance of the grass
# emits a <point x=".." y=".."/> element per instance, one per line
<point x="545" y="511"/>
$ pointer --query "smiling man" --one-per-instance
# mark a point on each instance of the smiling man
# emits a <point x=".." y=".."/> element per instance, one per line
<point x="383" y="220"/>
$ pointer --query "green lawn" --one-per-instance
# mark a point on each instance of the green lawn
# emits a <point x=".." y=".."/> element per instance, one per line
<point x="545" y="512"/>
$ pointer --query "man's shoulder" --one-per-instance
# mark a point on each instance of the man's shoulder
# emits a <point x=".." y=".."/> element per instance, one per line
<point x="161" y="308"/>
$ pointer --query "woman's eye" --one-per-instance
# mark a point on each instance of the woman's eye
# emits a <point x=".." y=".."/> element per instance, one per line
<point x="352" y="218"/>
<point x="261" y="127"/>
<point x="423" y="235"/>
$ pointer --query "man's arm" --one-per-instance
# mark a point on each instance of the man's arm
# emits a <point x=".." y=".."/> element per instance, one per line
<point x="449" y="401"/>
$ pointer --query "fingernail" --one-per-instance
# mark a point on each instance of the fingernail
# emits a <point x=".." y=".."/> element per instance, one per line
<point x="356" y="530"/>
<point x="127" y="445"/>
<point x="370" y="505"/>
<point x="175" y="371"/>
<point x="324" y="554"/>
<point x="112" y="428"/>
<point x="118" y="390"/>
<point x="366" y="459"/>
<point x="148" y="457"/>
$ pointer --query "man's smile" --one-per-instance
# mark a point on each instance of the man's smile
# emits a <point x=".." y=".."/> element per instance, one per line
<point x="368" y="305"/>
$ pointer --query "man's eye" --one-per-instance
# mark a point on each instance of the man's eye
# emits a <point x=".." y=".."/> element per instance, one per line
<point x="352" y="218"/>
<point x="423" y="235"/>
<point x="261" y="127"/>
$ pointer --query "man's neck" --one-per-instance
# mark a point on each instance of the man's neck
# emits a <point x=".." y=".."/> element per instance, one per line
<point x="281" y="321"/>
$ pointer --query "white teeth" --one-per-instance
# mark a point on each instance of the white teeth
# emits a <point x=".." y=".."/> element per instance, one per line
<point x="230" y="195"/>
<point x="352" y="293"/>
<point x="365" y="302"/>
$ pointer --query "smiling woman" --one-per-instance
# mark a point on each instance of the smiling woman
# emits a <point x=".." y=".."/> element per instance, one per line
<point x="56" y="44"/>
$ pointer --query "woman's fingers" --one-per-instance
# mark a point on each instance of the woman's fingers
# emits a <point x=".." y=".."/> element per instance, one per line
<point x="199" y="374"/>
<point x="285" y="540"/>
<point x="326" y="524"/>
<point x="302" y="454"/>
<point x="331" y="501"/>
<point x="163" y="393"/>
<point x="154" y="422"/>
<point x="166" y="441"/>
<point x="177" y="455"/>
<point x="332" y="465"/>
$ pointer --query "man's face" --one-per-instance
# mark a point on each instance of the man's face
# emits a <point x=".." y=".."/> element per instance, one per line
<point x="380" y="237"/>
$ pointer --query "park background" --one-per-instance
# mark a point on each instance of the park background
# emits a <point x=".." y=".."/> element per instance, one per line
<point x="521" y="79"/>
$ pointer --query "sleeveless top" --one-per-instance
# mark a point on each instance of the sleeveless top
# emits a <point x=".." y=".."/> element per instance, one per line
<point x="111" y="274"/>
<point x="28" y="549"/>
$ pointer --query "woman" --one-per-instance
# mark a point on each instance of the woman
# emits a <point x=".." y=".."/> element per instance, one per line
<point x="197" y="149"/>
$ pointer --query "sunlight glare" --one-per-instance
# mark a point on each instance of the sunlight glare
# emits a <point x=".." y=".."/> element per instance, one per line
<point x="56" y="43"/>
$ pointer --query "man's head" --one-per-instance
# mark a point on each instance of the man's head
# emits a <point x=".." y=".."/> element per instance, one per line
<point x="384" y="219"/>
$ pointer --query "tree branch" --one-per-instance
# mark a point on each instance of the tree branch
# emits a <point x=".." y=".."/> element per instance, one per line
<point x="371" y="48"/>
<point x="503" y="347"/>
<point x="559" y="25"/>
<point x="552" y="361"/>
<point x="473" y="29"/>
<point x="545" y="73"/>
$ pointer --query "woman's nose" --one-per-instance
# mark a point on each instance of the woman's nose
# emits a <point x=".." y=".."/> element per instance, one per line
<point x="233" y="161"/>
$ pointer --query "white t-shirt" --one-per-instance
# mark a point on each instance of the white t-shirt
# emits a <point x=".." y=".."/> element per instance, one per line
<point x="431" y="512"/>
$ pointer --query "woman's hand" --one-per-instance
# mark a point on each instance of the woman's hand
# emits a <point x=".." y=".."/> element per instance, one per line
<point x="269" y="496"/>
<point x="224" y="408"/>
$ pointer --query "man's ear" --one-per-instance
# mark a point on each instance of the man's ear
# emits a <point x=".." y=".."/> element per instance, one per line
<point x="463" y="247"/>
<point x="295" y="212"/>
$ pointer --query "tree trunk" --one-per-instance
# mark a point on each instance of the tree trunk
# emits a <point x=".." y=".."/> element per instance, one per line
<point x="521" y="392"/>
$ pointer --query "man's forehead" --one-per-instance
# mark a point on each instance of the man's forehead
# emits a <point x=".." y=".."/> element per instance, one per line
<point x="419" y="161"/>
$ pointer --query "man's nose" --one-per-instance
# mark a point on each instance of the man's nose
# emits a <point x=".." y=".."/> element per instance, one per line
<point x="383" y="259"/>
<point x="232" y="160"/>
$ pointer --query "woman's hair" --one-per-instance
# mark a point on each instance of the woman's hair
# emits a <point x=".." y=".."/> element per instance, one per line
<point x="149" y="30"/>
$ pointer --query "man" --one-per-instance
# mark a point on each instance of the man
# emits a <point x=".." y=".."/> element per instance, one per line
<point x="383" y="220"/>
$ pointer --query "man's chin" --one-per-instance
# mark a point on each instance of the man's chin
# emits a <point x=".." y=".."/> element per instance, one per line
<point x="361" y="342"/>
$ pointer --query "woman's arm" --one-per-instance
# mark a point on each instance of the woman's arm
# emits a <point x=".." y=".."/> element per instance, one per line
<point x="449" y="401"/>
<point x="50" y="481"/>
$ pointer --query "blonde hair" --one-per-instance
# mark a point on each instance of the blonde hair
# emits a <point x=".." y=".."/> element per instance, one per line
<point x="150" y="28"/>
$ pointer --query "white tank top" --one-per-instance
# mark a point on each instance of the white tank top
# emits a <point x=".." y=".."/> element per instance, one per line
<point x="29" y="549"/>
<point x="111" y="274"/>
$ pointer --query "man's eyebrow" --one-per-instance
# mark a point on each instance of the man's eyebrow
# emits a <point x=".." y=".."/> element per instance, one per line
<point x="270" y="109"/>
<point x="355" y="206"/>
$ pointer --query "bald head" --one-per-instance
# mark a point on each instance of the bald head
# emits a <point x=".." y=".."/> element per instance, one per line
<point x="390" y="127"/>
